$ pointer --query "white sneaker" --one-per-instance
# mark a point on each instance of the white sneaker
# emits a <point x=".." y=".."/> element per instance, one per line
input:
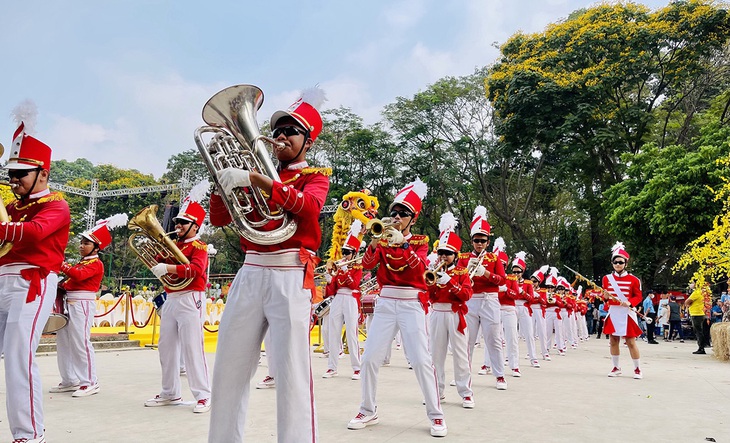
<point x="356" y="375"/>
<point x="615" y="372"/>
<point x="438" y="428"/>
<point x="561" y="352"/>
<point x="501" y="384"/>
<point x="546" y="357"/>
<point x="202" y="406"/>
<point x="330" y="373"/>
<point x="266" y="383"/>
<point x="85" y="391"/>
<point x="452" y="383"/>
<point x="184" y="371"/>
<point x="484" y="370"/>
<point x="342" y="355"/>
<point x="516" y="373"/>
<point x="41" y="439"/>
<point x="361" y="420"/>
<point x="159" y="401"/>
<point x="637" y="374"/>
<point x="535" y="364"/>
<point x="63" y="388"/>
<point x="467" y="403"/>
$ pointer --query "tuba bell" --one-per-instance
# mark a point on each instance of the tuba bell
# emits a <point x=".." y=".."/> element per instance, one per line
<point x="151" y="245"/>
<point x="5" y="247"/>
<point x="234" y="140"/>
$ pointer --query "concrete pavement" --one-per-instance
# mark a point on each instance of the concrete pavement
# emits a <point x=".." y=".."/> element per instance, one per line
<point x="682" y="398"/>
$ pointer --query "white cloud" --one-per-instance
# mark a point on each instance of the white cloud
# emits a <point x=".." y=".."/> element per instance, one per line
<point x="404" y="13"/>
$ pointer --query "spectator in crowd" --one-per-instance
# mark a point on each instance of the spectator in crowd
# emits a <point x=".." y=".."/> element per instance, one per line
<point x="724" y="297"/>
<point x="726" y="311"/>
<point x="696" y="305"/>
<point x="650" y="312"/>
<point x="602" y="313"/>
<point x="589" y="318"/>
<point x="717" y="312"/>
<point x="675" y="319"/>
<point x="663" y="320"/>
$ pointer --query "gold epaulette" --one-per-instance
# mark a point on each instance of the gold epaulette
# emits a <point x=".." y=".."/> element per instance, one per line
<point x="527" y="281"/>
<point x="52" y="197"/>
<point x="511" y="277"/>
<point x="357" y="267"/>
<point x="460" y="270"/>
<point x="463" y="255"/>
<point x="418" y="240"/>
<point x="490" y="257"/>
<point x="324" y="171"/>
<point x="197" y="244"/>
<point x="91" y="260"/>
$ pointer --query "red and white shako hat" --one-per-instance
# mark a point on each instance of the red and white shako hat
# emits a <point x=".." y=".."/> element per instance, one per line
<point x="618" y="250"/>
<point x="28" y="152"/>
<point x="449" y="240"/>
<point x="352" y="242"/>
<point x="519" y="260"/>
<point x="411" y="196"/>
<point x="479" y="224"/>
<point x="190" y="209"/>
<point x="562" y="282"/>
<point x="540" y="273"/>
<point x="500" y="248"/>
<point x="100" y="233"/>
<point x="552" y="278"/>
<point x="304" y="111"/>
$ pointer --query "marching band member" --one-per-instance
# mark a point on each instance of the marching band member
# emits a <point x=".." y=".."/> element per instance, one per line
<point x="566" y="312"/>
<point x="507" y="310"/>
<point x="344" y="286"/>
<point x="182" y="315"/>
<point x="75" y="353"/>
<point x="402" y="304"/>
<point x="581" y="316"/>
<point x="538" y="307"/>
<point x="38" y="228"/>
<point x="524" y="312"/>
<point x="553" y="317"/>
<point x="625" y="291"/>
<point x="488" y="275"/>
<point x="273" y="289"/>
<point x="448" y="297"/>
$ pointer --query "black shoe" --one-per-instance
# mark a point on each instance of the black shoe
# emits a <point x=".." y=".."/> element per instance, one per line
<point x="699" y="351"/>
<point x="653" y="342"/>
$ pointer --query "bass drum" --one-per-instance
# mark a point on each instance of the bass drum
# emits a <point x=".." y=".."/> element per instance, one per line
<point x="59" y="316"/>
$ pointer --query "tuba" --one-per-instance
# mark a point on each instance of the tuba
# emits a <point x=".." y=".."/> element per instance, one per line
<point x="5" y="247"/>
<point x="151" y="245"/>
<point x="234" y="140"/>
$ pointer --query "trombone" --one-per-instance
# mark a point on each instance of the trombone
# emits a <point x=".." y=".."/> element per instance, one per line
<point x="332" y="267"/>
<point x="431" y="275"/>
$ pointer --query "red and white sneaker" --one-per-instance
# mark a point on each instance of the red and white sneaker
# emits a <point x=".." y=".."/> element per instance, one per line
<point x="202" y="406"/>
<point x="501" y="384"/>
<point x="637" y="374"/>
<point x="546" y="357"/>
<point x="468" y="403"/>
<point x="40" y="439"/>
<point x="356" y="375"/>
<point x="330" y="373"/>
<point x="438" y="428"/>
<point x="266" y="383"/>
<point x="615" y="372"/>
<point x="361" y="420"/>
<point x="484" y="370"/>
<point x="535" y="364"/>
<point x="516" y="373"/>
<point x="85" y="391"/>
<point x="159" y="401"/>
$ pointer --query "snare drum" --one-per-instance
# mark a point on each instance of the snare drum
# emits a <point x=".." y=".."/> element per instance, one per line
<point x="323" y="307"/>
<point x="368" y="303"/>
<point x="59" y="317"/>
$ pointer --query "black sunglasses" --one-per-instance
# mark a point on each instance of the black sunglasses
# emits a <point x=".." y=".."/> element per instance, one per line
<point x="480" y="240"/>
<point x="182" y="222"/>
<point x="288" y="131"/>
<point x="619" y="262"/>
<point x="447" y="253"/>
<point x="19" y="173"/>
<point x="402" y="213"/>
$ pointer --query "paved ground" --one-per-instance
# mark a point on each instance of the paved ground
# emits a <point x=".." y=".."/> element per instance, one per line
<point x="683" y="398"/>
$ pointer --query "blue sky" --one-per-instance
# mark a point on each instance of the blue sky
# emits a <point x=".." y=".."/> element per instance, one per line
<point x="124" y="81"/>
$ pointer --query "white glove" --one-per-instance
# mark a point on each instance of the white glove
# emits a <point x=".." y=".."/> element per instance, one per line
<point x="472" y="262"/>
<point x="443" y="278"/>
<point x="344" y="268"/>
<point x="503" y="288"/>
<point x="159" y="269"/>
<point x="231" y="178"/>
<point x="328" y="278"/>
<point x="479" y="271"/>
<point x="394" y="237"/>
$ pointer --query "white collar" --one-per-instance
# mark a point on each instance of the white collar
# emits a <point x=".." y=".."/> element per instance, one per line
<point x="188" y="240"/>
<point x="40" y="194"/>
<point x="89" y="257"/>
<point x="300" y="165"/>
<point x="622" y="274"/>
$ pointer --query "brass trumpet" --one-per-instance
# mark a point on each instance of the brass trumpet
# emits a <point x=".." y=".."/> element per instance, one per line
<point x="332" y="267"/>
<point x="431" y="275"/>
<point x="472" y="268"/>
<point x="376" y="227"/>
<point x="5" y="247"/>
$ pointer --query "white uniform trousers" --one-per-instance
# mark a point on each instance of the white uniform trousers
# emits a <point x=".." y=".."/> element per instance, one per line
<point x="390" y="315"/>
<point x="343" y="309"/>
<point x="572" y="329"/>
<point x="269" y="360"/>
<point x="444" y="331"/>
<point x="509" y="326"/>
<point x="524" y="323"/>
<point x="21" y="325"/>
<point x="582" y="326"/>
<point x="263" y="297"/>
<point x="75" y="353"/>
<point x="567" y="335"/>
<point x="368" y="321"/>
<point x="484" y="313"/>
<point x="181" y="331"/>
<point x="538" y="322"/>
<point x="554" y="328"/>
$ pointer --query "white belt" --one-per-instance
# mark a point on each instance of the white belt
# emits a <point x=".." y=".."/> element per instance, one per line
<point x="536" y="306"/>
<point x="442" y="307"/>
<point x="399" y="292"/>
<point x="507" y="308"/>
<point x="14" y="268"/>
<point x="344" y="291"/>
<point x="80" y="295"/>
<point x="183" y="293"/>
<point x="284" y="259"/>
<point x="520" y="302"/>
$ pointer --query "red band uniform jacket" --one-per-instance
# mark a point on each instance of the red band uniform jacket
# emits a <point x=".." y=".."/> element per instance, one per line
<point x="456" y="292"/>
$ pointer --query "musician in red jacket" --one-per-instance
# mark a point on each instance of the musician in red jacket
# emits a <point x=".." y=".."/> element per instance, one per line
<point x="183" y="313"/>
<point x="538" y="306"/>
<point x="487" y="275"/>
<point x="624" y="290"/>
<point x="38" y="229"/>
<point x="74" y="351"/>
<point x="525" y="297"/>
<point x="553" y="314"/>
<point x="508" y="293"/>
<point x="566" y="312"/>
<point x="402" y="305"/>
<point x="344" y="286"/>
<point x="449" y="294"/>
<point x="273" y="289"/>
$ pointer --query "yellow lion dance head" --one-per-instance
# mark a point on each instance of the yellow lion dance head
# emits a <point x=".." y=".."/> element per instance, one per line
<point x="356" y="205"/>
